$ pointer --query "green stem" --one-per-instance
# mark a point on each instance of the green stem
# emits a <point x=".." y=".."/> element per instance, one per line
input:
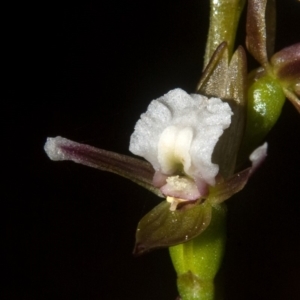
<point x="224" y="18"/>
<point x="197" y="261"/>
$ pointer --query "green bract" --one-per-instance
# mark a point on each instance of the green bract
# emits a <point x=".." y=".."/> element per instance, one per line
<point x="163" y="228"/>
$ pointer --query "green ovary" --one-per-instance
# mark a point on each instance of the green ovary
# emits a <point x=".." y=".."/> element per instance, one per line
<point x="265" y="101"/>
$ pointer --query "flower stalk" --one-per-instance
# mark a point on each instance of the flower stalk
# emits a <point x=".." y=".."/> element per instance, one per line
<point x="197" y="261"/>
<point x="224" y="19"/>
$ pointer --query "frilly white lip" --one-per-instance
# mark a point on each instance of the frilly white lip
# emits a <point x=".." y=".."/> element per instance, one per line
<point x="177" y="135"/>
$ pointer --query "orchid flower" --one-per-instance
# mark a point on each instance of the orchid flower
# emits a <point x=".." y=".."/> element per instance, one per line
<point x="177" y="136"/>
<point x="195" y="146"/>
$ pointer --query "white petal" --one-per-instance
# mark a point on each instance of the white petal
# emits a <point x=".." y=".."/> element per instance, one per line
<point x="174" y="149"/>
<point x="182" y="129"/>
<point x="144" y="140"/>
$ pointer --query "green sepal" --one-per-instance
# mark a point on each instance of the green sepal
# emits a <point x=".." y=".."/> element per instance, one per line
<point x="163" y="228"/>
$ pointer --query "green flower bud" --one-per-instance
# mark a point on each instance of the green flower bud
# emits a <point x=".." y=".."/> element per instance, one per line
<point x="265" y="100"/>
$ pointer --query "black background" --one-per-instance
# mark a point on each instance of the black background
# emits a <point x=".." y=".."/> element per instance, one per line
<point x="86" y="71"/>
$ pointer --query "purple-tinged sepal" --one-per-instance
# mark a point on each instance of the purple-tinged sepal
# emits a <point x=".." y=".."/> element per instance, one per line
<point x="163" y="227"/>
<point x="286" y="67"/>
<point x="139" y="171"/>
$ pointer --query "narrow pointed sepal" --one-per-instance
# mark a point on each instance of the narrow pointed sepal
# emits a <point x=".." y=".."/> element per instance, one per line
<point x="227" y="80"/>
<point x="214" y="78"/>
<point x="286" y="67"/>
<point x="225" y="152"/>
<point x="224" y="189"/>
<point x="227" y="188"/>
<point x="138" y="171"/>
<point x="286" y="64"/>
<point x="256" y="39"/>
<point x="163" y="228"/>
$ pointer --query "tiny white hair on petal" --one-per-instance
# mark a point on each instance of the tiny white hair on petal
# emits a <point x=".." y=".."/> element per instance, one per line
<point x="182" y="129"/>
